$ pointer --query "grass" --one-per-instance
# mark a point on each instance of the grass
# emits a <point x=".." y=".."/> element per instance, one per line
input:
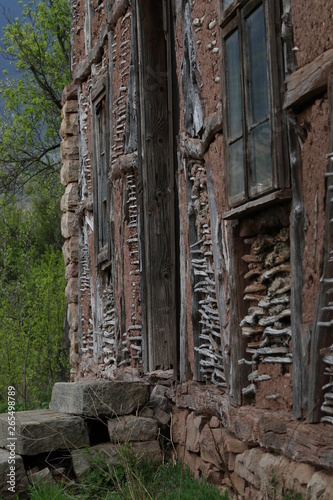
<point x="132" y="479"/>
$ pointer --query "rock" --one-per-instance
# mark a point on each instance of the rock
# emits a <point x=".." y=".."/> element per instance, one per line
<point x="162" y="417"/>
<point x="69" y="225"/>
<point x="99" y="397"/>
<point x="209" y="450"/>
<point x="247" y="465"/>
<point x="146" y="412"/>
<point x="41" y="431"/>
<point x="43" y="476"/>
<point x="179" y="426"/>
<point x="317" y="485"/>
<point x="70" y="250"/>
<point x="132" y="428"/>
<point x="69" y="124"/>
<point x="111" y="455"/>
<point x="70" y="198"/>
<point x="238" y="483"/>
<point x="69" y="171"/>
<point x="193" y="428"/>
<point x="20" y="483"/>
<point x="71" y="291"/>
<point x="69" y="148"/>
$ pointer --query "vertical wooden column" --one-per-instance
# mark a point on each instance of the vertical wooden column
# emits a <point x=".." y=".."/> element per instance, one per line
<point x="156" y="181"/>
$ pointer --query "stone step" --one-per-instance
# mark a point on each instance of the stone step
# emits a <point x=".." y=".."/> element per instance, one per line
<point x="13" y="479"/>
<point x="99" y="397"/>
<point x="40" y="431"/>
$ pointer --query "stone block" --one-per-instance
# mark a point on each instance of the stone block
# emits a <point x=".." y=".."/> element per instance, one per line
<point x="179" y="426"/>
<point x="69" y="225"/>
<point x="232" y="444"/>
<point x="214" y="423"/>
<point x="238" y="483"/>
<point x="72" y="271"/>
<point x="317" y="486"/>
<point x="42" y="431"/>
<point x="69" y="148"/>
<point x="99" y="397"/>
<point x="70" y="250"/>
<point x="70" y="198"/>
<point x="69" y="171"/>
<point x="247" y="466"/>
<point x="70" y="107"/>
<point x="162" y="417"/>
<point x="194" y="426"/>
<point x="192" y="461"/>
<point x="132" y="428"/>
<point x="209" y="450"/>
<point x="298" y="480"/>
<point x="72" y="317"/>
<point x="82" y="460"/>
<point x="69" y="125"/>
<point x="71" y="291"/>
<point x="69" y="93"/>
<point x="43" y="476"/>
<point x="20" y="483"/>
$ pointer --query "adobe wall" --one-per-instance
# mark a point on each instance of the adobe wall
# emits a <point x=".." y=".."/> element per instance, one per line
<point x="242" y="279"/>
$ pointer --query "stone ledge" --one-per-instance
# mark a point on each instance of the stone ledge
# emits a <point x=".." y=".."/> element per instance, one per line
<point x="99" y="397"/>
<point x="40" y="431"/>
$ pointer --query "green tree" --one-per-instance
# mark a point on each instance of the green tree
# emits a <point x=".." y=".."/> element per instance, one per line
<point x="32" y="302"/>
<point x="38" y="45"/>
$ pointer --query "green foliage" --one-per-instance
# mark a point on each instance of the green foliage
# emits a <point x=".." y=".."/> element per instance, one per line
<point x="38" y="45"/>
<point x="135" y="478"/>
<point x="32" y="300"/>
<point x="44" y="491"/>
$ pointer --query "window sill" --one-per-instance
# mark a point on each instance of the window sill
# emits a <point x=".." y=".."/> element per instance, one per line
<point x="254" y="205"/>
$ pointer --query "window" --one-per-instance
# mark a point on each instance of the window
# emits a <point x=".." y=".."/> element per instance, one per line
<point x="100" y="179"/>
<point x="252" y="70"/>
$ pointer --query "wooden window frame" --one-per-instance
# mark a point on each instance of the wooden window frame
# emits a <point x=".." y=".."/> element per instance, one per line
<point x="232" y="19"/>
<point x="99" y="101"/>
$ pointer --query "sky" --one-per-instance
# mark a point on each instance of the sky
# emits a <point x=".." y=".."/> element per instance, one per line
<point x="12" y="9"/>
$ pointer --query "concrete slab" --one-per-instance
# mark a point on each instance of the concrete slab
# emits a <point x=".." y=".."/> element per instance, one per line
<point x="99" y="397"/>
<point x="15" y="479"/>
<point x="40" y="431"/>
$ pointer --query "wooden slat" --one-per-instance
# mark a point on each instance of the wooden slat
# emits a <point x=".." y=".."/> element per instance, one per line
<point x="308" y="82"/>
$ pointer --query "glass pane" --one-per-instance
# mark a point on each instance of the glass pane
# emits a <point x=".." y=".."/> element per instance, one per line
<point x="234" y="96"/>
<point x="236" y="168"/>
<point x="257" y="66"/>
<point x="260" y="156"/>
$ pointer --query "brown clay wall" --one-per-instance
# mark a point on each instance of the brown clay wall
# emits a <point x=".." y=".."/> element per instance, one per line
<point x="314" y="121"/>
<point x="313" y="29"/>
<point x="78" y="31"/>
<point x="206" y="33"/>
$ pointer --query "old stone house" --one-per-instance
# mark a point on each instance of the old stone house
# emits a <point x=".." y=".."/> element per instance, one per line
<point x="197" y="141"/>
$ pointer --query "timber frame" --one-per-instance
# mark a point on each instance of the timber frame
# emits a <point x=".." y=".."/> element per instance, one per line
<point x="225" y="301"/>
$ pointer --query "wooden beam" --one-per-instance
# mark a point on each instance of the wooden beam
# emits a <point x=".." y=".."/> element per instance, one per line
<point x="308" y="82"/>
<point x="83" y="68"/>
<point x="251" y="206"/>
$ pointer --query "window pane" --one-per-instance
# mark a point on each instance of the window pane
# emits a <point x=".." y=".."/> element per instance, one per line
<point x="236" y="168"/>
<point x="260" y="156"/>
<point x="234" y="96"/>
<point x="257" y="66"/>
